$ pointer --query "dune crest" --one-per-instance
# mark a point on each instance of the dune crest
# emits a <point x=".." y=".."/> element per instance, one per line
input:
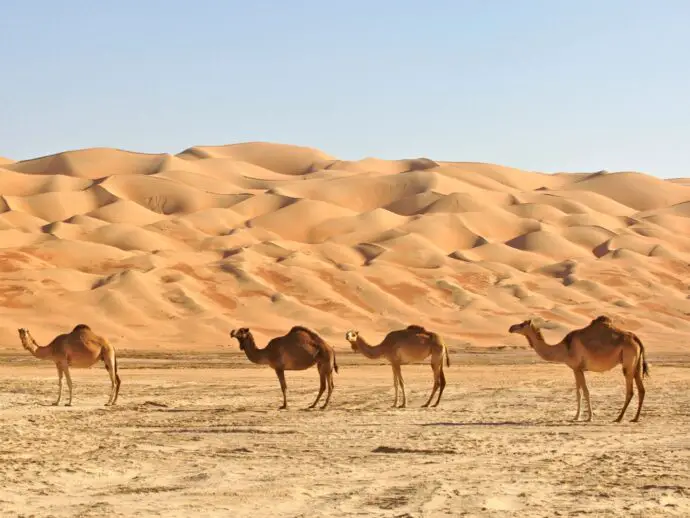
<point x="164" y="247"/>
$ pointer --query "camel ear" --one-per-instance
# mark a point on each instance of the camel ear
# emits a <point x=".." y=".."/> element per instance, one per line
<point x="232" y="333"/>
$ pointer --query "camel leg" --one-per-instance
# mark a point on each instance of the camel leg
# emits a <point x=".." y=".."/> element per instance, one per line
<point x="628" y="395"/>
<point x="436" y="385"/>
<point x="113" y="384"/>
<point x="402" y="385"/>
<point x="441" y="387"/>
<point x="68" y="376"/>
<point x="322" y="387"/>
<point x="578" y="383"/>
<point x="395" y="385"/>
<point x="585" y="393"/>
<point x="329" y="379"/>
<point x="640" y="393"/>
<point x="59" y="369"/>
<point x="283" y="387"/>
<point x="111" y="366"/>
<point x="117" y="385"/>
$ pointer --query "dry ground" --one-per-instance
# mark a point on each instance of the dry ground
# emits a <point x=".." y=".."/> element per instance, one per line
<point x="204" y="438"/>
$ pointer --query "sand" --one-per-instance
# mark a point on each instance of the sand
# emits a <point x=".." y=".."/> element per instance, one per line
<point x="267" y="235"/>
<point x="164" y="254"/>
<point x="192" y="438"/>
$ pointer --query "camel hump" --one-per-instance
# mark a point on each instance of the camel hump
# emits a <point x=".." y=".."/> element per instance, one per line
<point x="301" y="329"/>
<point x="81" y="327"/>
<point x="416" y="329"/>
<point x="602" y="329"/>
<point x="312" y="334"/>
<point x="602" y="319"/>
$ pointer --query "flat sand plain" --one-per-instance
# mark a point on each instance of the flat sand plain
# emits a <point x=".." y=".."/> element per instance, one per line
<point x="203" y="437"/>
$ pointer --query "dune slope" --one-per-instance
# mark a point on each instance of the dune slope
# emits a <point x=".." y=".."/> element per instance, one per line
<point x="172" y="251"/>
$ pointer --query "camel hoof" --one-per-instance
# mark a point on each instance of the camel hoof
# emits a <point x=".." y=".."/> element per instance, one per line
<point x="425" y="405"/>
<point x="284" y="407"/>
<point x="55" y="404"/>
<point x="635" y="420"/>
<point x="68" y="404"/>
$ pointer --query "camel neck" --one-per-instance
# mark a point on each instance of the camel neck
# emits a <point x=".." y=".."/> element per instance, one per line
<point x="550" y="353"/>
<point x="254" y="354"/>
<point x="368" y="350"/>
<point x="36" y="350"/>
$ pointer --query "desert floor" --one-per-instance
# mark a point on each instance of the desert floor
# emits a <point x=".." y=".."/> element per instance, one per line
<point x="203" y="437"/>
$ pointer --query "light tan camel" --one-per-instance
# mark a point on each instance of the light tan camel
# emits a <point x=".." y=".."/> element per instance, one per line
<point x="299" y="349"/>
<point x="412" y="344"/>
<point x="80" y="348"/>
<point x="598" y="347"/>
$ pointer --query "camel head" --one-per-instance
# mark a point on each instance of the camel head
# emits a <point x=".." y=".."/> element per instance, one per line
<point x="241" y="334"/>
<point x="523" y="328"/>
<point x="351" y="336"/>
<point x="25" y="338"/>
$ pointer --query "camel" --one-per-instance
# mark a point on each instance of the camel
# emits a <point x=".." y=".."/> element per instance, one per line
<point x="299" y="349"/>
<point x="404" y="346"/>
<point x="598" y="347"/>
<point x="80" y="348"/>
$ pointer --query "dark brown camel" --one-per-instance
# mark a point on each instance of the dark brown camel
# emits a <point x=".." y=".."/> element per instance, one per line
<point x="299" y="349"/>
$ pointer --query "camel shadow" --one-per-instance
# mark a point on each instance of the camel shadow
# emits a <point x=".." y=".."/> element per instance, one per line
<point x="484" y="423"/>
<point x="525" y="424"/>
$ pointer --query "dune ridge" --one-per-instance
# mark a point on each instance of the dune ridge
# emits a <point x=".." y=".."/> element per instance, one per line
<point x="155" y="249"/>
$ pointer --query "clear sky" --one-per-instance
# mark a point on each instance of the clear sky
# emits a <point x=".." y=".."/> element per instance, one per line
<point x="551" y="85"/>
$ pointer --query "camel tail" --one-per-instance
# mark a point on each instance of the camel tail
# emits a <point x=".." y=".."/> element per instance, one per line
<point x="103" y="353"/>
<point x="439" y="341"/>
<point x="643" y="357"/>
<point x="325" y="353"/>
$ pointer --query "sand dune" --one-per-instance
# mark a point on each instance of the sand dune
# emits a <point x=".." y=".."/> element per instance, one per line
<point x="90" y="163"/>
<point x="281" y="158"/>
<point x="19" y="184"/>
<point x="175" y="249"/>
<point x="635" y="190"/>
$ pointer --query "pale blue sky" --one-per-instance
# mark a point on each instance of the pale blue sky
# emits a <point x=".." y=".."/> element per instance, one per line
<point x="545" y="85"/>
